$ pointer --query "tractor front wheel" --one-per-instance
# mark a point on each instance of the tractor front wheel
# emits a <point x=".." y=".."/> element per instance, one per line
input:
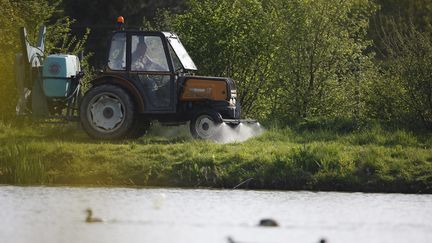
<point x="107" y="112"/>
<point x="205" y="125"/>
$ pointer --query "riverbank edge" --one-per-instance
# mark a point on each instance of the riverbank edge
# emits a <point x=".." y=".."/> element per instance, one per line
<point x="89" y="169"/>
<point x="280" y="159"/>
<point x="246" y="188"/>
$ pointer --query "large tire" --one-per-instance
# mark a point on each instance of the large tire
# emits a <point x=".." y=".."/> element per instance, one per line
<point x="205" y="125"/>
<point x="107" y="112"/>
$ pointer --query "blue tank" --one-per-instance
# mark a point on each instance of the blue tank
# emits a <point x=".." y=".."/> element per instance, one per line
<point x="58" y="72"/>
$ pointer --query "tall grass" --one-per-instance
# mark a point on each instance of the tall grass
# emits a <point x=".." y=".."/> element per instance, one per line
<point x="20" y="165"/>
<point x="372" y="159"/>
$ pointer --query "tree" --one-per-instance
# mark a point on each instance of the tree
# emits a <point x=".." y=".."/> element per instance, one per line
<point x="323" y="58"/>
<point x="291" y="59"/>
<point x="231" y="38"/>
<point x="408" y="70"/>
<point x="31" y="14"/>
<point x="100" y="17"/>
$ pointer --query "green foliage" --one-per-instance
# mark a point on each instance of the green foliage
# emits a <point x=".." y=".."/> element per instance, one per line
<point x="31" y="14"/>
<point x="294" y="62"/>
<point x="418" y="11"/>
<point x="409" y="68"/>
<point x="310" y="60"/>
<point x="291" y="60"/>
<point x="231" y="38"/>
<point x="59" y="39"/>
<point x="322" y="61"/>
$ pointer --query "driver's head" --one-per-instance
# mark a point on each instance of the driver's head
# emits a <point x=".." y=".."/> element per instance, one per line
<point x="141" y="48"/>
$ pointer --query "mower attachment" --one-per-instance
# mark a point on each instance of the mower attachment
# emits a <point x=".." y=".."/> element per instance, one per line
<point x="238" y="121"/>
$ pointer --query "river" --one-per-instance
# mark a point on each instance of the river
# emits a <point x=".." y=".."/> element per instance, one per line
<point x="57" y="215"/>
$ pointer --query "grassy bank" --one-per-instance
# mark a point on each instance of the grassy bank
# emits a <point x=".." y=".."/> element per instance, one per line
<point x="372" y="160"/>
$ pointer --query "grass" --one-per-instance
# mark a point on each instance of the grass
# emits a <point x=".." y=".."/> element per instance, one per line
<point x="372" y="160"/>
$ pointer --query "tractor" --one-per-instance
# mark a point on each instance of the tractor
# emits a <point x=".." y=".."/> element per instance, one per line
<point x="149" y="76"/>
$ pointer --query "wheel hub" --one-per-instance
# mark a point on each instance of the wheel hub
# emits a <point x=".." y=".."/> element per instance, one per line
<point x="107" y="112"/>
<point x="205" y="127"/>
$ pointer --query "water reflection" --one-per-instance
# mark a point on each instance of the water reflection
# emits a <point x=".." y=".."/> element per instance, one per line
<point x="56" y="214"/>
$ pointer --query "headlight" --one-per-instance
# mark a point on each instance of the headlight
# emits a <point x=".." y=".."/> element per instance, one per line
<point x="232" y="101"/>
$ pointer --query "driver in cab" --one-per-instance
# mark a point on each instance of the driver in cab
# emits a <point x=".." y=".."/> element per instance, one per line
<point x="142" y="62"/>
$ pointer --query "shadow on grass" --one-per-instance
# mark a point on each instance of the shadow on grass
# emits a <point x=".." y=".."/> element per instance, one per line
<point x="72" y="132"/>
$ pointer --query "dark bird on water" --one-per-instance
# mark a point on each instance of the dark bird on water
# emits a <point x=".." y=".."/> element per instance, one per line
<point x="268" y="223"/>
<point x="230" y="240"/>
<point x="90" y="218"/>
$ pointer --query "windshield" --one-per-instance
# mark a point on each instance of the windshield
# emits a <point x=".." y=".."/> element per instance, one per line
<point x="181" y="53"/>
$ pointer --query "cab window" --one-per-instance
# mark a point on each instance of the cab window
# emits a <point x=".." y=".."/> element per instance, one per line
<point x="148" y="54"/>
<point x="117" y="53"/>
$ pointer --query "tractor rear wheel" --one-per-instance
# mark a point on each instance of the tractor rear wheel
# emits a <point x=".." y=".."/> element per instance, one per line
<point x="107" y="112"/>
<point x="205" y="125"/>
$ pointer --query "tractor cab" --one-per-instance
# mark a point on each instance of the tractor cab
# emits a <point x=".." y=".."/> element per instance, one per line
<point x="153" y="61"/>
<point x="163" y="48"/>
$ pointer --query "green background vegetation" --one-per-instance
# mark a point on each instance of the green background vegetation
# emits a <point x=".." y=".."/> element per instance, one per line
<point x="347" y="86"/>
<point x="298" y="60"/>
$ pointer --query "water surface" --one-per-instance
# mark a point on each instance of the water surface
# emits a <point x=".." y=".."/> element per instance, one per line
<point x="56" y="214"/>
